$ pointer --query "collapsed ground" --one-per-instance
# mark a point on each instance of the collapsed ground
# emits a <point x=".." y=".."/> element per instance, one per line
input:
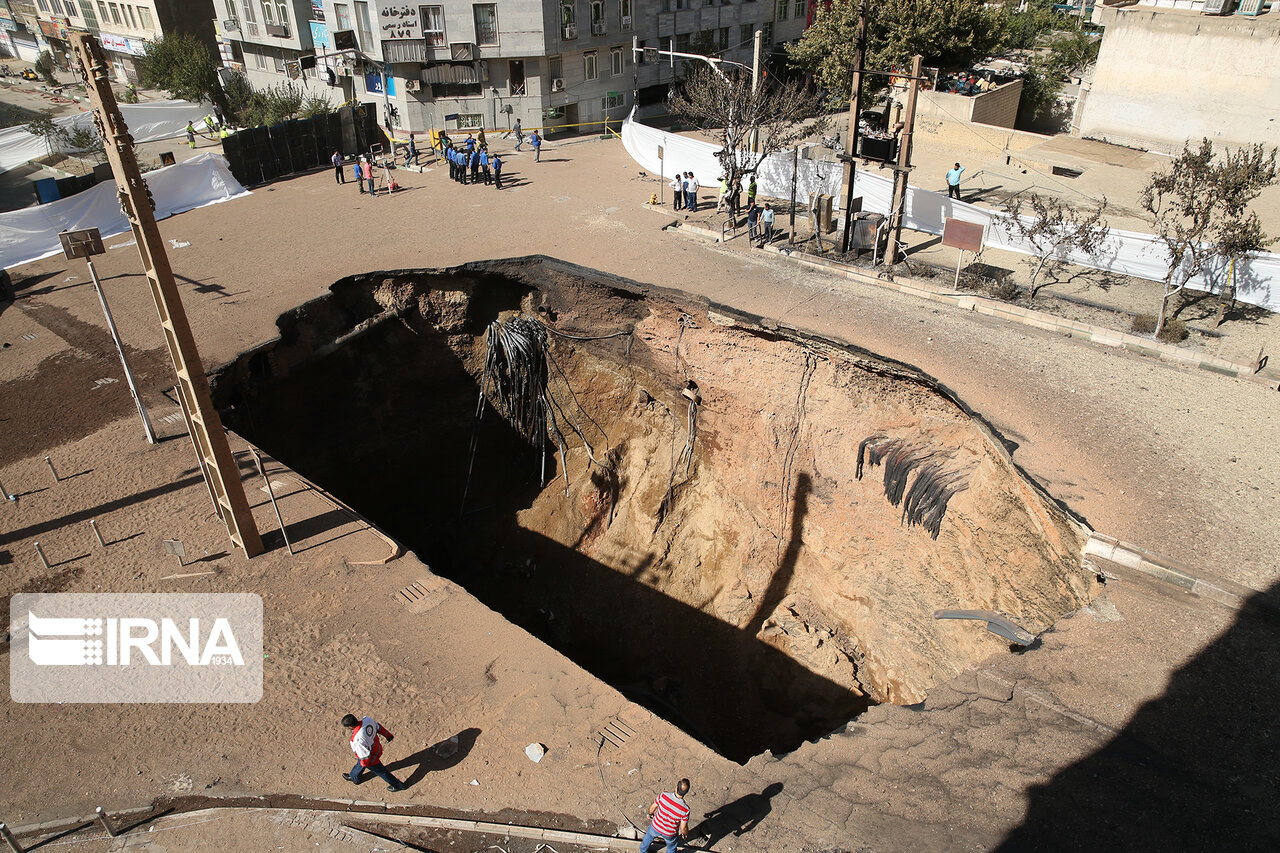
<point x="707" y="541"/>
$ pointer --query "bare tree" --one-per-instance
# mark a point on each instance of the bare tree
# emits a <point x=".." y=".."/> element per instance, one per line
<point x="775" y="112"/>
<point x="1055" y="230"/>
<point x="1199" y="205"/>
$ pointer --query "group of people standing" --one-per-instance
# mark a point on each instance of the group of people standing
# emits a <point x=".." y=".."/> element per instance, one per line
<point x="760" y="219"/>
<point x="470" y="163"/>
<point x="365" y="176"/>
<point x="686" y="186"/>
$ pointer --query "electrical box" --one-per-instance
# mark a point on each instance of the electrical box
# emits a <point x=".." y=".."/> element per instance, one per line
<point x="821" y="204"/>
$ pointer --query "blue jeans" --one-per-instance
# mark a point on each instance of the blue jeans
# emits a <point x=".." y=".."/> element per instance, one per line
<point x="691" y="200"/>
<point x="378" y="770"/>
<point x="652" y="834"/>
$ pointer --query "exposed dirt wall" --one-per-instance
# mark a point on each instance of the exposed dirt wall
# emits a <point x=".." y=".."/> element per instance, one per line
<point x="757" y="528"/>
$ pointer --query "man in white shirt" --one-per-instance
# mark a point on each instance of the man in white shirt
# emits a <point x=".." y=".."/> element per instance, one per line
<point x="693" y="193"/>
<point x="368" y="749"/>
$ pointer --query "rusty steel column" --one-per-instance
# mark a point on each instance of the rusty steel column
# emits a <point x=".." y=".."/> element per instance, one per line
<point x="221" y="471"/>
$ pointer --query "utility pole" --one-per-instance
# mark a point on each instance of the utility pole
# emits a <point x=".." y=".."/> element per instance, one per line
<point x="855" y="107"/>
<point x="221" y="472"/>
<point x="903" y="170"/>
<point x="755" y="81"/>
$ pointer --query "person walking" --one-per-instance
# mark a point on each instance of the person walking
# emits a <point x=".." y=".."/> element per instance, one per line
<point x="496" y="163"/>
<point x="357" y="166"/>
<point x="366" y="169"/>
<point x="471" y="144"/>
<point x="692" y="201"/>
<point x="411" y="153"/>
<point x="668" y="818"/>
<point x="766" y="223"/>
<point x="191" y="135"/>
<point x="365" y="743"/>
<point x="753" y="219"/>
<point x="953" y="181"/>
<point x="723" y="198"/>
<point x="677" y="190"/>
<point x="519" y="135"/>
<point x="484" y="166"/>
<point x="536" y="141"/>
<point x="338" y="174"/>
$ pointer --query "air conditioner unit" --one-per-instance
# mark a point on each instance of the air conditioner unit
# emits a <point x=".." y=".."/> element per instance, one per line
<point x="230" y="25"/>
<point x="462" y="51"/>
<point x="570" y="31"/>
<point x="598" y="29"/>
<point x="557" y="84"/>
<point x="345" y="40"/>
<point x="1251" y="7"/>
<point x="413" y="85"/>
<point x="1218" y="7"/>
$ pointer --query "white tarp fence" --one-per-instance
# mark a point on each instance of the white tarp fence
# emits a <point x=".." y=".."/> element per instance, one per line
<point x="147" y="122"/>
<point x="32" y="233"/>
<point x="1126" y="252"/>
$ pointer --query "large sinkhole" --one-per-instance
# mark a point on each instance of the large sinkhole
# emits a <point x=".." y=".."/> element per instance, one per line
<point x="744" y="529"/>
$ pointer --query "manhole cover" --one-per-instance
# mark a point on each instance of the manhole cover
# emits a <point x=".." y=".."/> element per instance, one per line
<point x="615" y="734"/>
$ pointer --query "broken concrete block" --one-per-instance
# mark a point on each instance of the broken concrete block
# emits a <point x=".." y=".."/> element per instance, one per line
<point x="535" y="751"/>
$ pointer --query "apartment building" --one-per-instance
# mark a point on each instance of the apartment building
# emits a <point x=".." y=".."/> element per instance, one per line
<point x="560" y="64"/>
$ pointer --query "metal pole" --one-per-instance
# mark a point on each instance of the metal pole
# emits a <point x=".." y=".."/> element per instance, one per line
<point x="43" y="559"/>
<point x="115" y="336"/>
<point x="52" y="470"/>
<point x="755" y="82"/>
<point x="106" y="822"/>
<point x="9" y="839"/>
<point x="93" y="525"/>
<point x="11" y="497"/>
<point x="900" y="174"/>
<point x="855" y="106"/>
<point x="257" y="457"/>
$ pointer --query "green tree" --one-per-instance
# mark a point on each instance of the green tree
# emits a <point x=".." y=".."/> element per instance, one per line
<point x="1026" y="26"/>
<point x="1199" y="205"/>
<point x="44" y="67"/>
<point x="45" y="128"/>
<point x="182" y="66"/>
<point x="947" y="33"/>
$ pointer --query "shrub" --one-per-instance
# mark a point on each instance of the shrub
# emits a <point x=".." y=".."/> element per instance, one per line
<point x="1005" y="290"/>
<point x="1173" y="331"/>
<point x="1144" y="324"/>
<point x="44" y="67"/>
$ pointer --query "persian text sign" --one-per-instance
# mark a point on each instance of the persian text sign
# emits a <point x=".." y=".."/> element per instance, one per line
<point x="172" y="647"/>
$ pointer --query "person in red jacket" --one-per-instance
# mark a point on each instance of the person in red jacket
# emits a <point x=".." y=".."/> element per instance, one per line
<point x="365" y="743"/>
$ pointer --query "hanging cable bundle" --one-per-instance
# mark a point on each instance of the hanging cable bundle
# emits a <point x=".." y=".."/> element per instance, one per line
<point x="925" y="502"/>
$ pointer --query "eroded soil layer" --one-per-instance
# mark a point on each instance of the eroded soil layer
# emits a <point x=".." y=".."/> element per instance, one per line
<point x="740" y="532"/>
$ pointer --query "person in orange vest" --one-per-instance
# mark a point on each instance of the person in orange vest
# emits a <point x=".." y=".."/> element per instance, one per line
<point x="365" y="743"/>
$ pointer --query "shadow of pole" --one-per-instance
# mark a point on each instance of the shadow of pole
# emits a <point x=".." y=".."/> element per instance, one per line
<point x="781" y="580"/>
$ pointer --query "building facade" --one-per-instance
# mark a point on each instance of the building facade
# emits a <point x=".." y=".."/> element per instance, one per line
<point x="565" y="65"/>
<point x="1226" y="86"/>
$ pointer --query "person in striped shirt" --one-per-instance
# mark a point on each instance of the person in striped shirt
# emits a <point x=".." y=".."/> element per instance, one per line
<point x="668" y="818"/>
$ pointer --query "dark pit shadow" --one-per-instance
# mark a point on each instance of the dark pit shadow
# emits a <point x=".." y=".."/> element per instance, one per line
<point x="449" y="752"/>
<point x="1196" y="769"/>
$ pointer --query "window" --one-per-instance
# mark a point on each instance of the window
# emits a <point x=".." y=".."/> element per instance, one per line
<point x="283" y="9"/>
<point x="782" y="9"/>
<point x="147" y="22"/>
<point x="231" y="11"/>
<point x="567" y="14"/>
<point x="767" y="33"/>
<point x="268" y="13"/>
<point x="433" y="25"/>
<point x="277" y="61"/>
<point x="597" y="12"/>
<point x="259" y="59"/>
<point x="362" y="21"/>
<point x="343" y="14"/>
<point x="486" y="16"/>
<point x="73" y="11"/>
<point x="515" y="77"/>
<point x="723" y="38"/>
<point x="590" y="65"/>
<point x="615" y="60"/>
<point x="466" y="120"/>
<point x="612" y="101"/>
<point x="555" y="67"/>
<point x="625" y="12"/>
<point x="249" y="15"/>
<point x="133" y="17"/>
<point x="115" y="13"/>
<point x="43" y="7"/>
<point x="708" y="2"/>
<point x="102" y="12"/>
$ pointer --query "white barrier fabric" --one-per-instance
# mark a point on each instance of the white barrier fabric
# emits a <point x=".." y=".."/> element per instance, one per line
<point x="147" y="122"/>
<point x="32" y="233"/>
<point x="1126" y="252"/>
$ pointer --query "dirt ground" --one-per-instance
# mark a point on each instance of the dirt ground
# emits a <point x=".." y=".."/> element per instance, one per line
<point x="1183" y="463"/>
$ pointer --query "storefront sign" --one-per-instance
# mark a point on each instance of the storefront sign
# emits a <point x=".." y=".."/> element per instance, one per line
<point x="121" y="44"/>
<point x="6" y="20"/>
<point x="320" y="34"/>
<point x="317" y="10"/>
<point x="399" y="21"/>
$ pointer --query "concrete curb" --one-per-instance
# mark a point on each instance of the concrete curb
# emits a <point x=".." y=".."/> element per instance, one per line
<point x="1132" y="557"/>
<point x="1026" y="316"/>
